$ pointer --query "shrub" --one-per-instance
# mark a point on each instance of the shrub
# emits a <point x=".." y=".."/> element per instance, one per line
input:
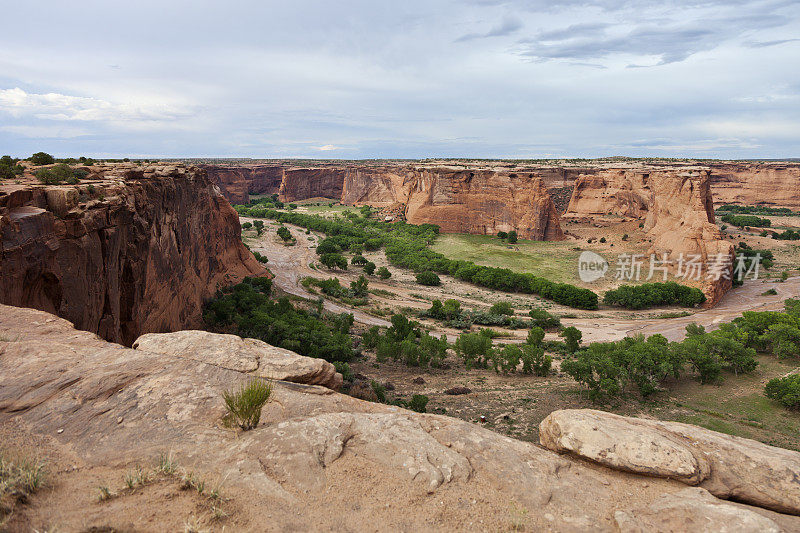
<point x="502" y="308"/>
<point x="259" y="225"/>
<point x="502" y="235"/>
<point x="534" y="360"/>
<point x="785" y="390"/>
<point x="245" y="225"/>
<point x="57" y="174"/>
<point x="543" y="319"/>
<point x="358" y="260"/>
<point x="428" y="278"/>
<point x="512" y="236"/>
<point x="746" y="220"/>
<point x="369" y="267"/>
<point x="418" y="403"/>
<point x="384" y="273"/>
<point x="285" y="234"/>
<point x="474" y="349"/>
<point x="535" y="336"/>
<point x="333" y="261"/>
<point x="572" y="338"/>
<point x="654" y="294"/>
<point x="358" y="288"/>
<point x="244" y="406"/>
<point x="42" y="158"/>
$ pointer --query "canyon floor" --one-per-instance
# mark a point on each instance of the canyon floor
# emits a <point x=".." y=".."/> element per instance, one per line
<point x="515" y="404"/>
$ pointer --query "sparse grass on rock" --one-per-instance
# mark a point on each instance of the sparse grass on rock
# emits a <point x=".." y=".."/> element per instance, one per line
<point x="244" y="405"/>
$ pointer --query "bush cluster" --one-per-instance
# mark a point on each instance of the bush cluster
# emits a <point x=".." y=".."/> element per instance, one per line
<point x="10" y="167"/>
<point x="405" y="341"/>
<point x="754" y="210"/>
<point x="785" y="390"/>
<point x="654" y="294"/>
<point x="246" y="309"/>
<point x="61" y="173"/>
<point x="608" y="369"/>
<point x="746" y="220"/>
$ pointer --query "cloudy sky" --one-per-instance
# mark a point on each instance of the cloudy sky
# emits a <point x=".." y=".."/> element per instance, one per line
<point x="410" y="79"/>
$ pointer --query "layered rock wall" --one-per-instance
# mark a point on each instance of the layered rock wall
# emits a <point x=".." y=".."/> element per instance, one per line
<point x="129" y="251"/>
<point x="484" y="202"/>
<point x="767" y="184"/>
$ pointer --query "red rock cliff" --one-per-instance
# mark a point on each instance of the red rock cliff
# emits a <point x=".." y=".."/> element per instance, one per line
<point x="484" y="202"/>
<point x="238" y="182"/>
<point x="137" y="250"/>
<point x="763" y="183"/>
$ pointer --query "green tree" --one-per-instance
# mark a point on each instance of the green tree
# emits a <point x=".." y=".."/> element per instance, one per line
<point x="474" y="349"/>
<point x="284" y="233"/>
<point x="359" y="287"/>
<point x="42" y="158"/>
<point x="502" y="308"/>
<point x="785" y="390"/>
<point x="502" y="235"/>
<point x="332" y="261"/>
<point x="512" y="236"/>
<point x="572" y="338"/>
<point x="428" y="278"/>
<point x="384" y="273"/>
<point x="369" y="268"/>
<point x="247" y="225"/>
<point x="259" y="225"/>
<point x="535" y="336"/>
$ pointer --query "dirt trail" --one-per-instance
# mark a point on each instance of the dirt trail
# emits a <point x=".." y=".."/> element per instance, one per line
<point x="290" y="264"/>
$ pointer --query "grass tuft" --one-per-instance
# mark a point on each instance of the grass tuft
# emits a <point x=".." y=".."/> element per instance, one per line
<point x="244" y="406"/>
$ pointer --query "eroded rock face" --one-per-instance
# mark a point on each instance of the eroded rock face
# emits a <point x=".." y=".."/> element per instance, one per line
<point x="680" y="219"/>
<point x="484" y="202"/>
<point x="315" y="453"/>
<point x="251" y="356"/>
<point x="304" y="183"/>
<point x="238" y="182"/>
<point x="624" y="193"/>
<point x="138" y="252"/>
<point x="763" y="183"/>
<point x="677" y="208"/>
<point x="479" y="201"/>
<point x="728" y="467"/>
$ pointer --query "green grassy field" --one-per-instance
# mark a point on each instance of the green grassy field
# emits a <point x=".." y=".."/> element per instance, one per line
<point x="556" y="261"/>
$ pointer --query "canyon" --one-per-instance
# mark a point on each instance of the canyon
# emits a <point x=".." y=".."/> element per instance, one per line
<point x="131" y="250"/>
<point x="674" y="200"/>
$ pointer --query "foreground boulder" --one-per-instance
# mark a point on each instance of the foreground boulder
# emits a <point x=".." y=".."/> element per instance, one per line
<point x="693" y="509"/>
<point x="319" y="460"/>
<point x="728" y="467"/>
<point x="243" y="355"/>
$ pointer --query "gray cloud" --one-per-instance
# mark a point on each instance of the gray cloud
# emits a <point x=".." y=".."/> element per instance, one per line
<point x="517" y="78"/>
<point x="507" y="26"/>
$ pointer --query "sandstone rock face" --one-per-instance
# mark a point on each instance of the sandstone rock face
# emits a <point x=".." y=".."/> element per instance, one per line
<point x="480" y="201"/>
<point x="238" y="182"/>
<point x="693" y="509"/>
<point x="139" y="254"/>
<point x="243" y="355"/>
<point x="624" y="193"/>
<point x="763" y="183"/>
<point x="680" y="218"/>
<point x="728" y="467"/>
<point x="678" y="211"/>
<point x="484" y="202"/>
<point x="315" y="454"/>
<point x="304" y="183"/>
